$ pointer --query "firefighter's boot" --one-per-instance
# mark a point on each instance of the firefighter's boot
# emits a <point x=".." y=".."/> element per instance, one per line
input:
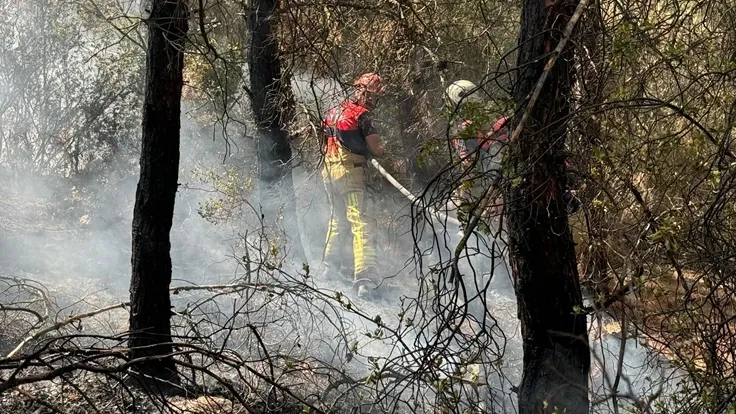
<point x="367" y="289"/>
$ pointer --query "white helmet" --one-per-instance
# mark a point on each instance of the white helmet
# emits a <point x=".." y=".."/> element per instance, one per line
<point x="462" y="90"/>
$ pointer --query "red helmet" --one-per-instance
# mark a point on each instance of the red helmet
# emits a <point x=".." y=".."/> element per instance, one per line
<point x="370" y="82"/>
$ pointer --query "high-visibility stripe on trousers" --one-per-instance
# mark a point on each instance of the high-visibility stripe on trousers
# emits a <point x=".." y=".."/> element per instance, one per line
<point x="348" y="200"/>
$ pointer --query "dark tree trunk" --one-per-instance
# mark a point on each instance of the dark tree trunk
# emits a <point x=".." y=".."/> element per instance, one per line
<point x="269" y="101"/>
<point x="150" y="315"/>
<point x="556" y="353"/>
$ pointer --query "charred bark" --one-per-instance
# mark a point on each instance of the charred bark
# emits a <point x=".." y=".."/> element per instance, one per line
<point x="556" y="353"/>
<point x="269" y="91"/>
<point x="150" y="315"/>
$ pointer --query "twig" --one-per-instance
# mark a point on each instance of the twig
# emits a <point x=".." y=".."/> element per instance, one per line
<point x="38" y="316"/>
<point x="268" y="358"/>
<point x="177" y="289"/>
<point x="615" y="297"/>
<point x="63" y="323"/>
<point x="654" y="226"/>
<point x="723" y="406"/>
<point x="41" y="401"/>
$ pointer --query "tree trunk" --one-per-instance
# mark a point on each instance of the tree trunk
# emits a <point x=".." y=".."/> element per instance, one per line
<point x="150" y="316"/>
<point x="267" y="93"/>
<point x="556" y="353"/>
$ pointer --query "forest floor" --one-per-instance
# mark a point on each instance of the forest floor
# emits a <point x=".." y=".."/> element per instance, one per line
<point x="76" y="245"/>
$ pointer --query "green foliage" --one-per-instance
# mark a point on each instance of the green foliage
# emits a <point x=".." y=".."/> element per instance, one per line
<point x="667" y="233"/>
<point x="232" y="190"/>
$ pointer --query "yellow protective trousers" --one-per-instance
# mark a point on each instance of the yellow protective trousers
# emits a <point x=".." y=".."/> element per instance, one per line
<point x="344" y="178"/>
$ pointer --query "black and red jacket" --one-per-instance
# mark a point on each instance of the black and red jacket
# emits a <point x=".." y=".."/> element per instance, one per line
<point x="348" y="124"/>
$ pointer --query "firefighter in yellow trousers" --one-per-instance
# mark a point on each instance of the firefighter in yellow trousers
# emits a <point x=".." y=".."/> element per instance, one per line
<point x="352" y="139"/>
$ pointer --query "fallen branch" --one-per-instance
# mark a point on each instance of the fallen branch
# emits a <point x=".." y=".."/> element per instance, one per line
<point x="76" y="318"/>
<point x="63" y="323"/>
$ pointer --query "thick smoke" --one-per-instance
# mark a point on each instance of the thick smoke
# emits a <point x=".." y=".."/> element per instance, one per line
<point x="79" y="230"/>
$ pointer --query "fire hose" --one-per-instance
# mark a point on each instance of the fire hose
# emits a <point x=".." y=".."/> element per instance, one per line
<point x="436" y="214"/>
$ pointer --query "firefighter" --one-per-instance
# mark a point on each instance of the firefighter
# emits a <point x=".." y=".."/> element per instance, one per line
<point x="352" y="139"/>
<point x="485" y="149"/>
<point x="480" y="151"/>
<point x="478" y="148"/>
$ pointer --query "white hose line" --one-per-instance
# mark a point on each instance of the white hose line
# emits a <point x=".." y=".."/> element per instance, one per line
<point x="436" y="214"/>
